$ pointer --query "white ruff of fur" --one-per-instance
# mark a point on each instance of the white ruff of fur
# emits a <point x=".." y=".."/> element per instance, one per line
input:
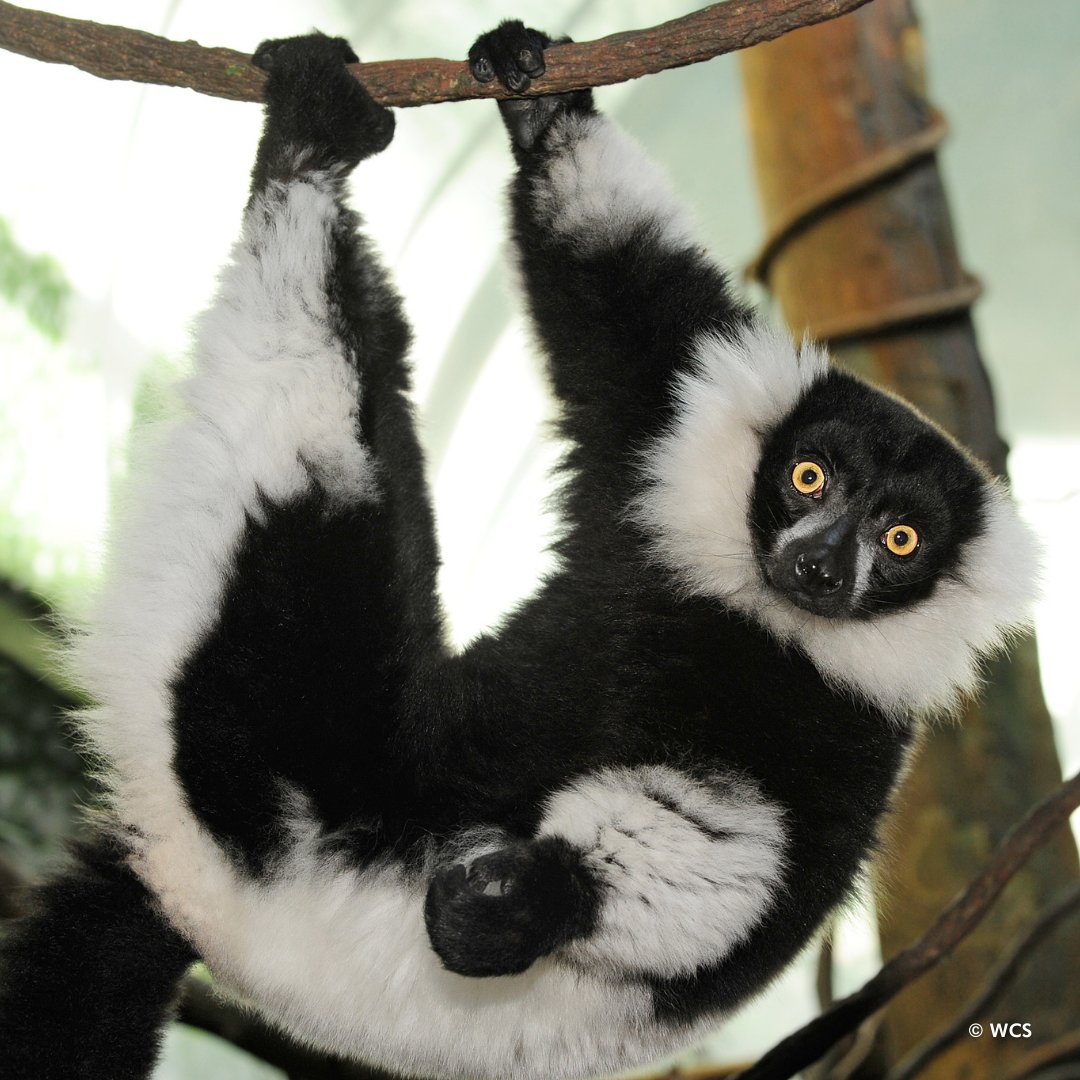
<point x="688" y="868"/>
<point x="923" y="660"/>
<point x="338" y="956"/>
<point x="599" y="185"/>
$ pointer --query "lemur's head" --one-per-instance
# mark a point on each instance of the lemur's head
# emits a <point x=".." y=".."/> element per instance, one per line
<point x="859" y="506"/>
<point x="839" y="519"/>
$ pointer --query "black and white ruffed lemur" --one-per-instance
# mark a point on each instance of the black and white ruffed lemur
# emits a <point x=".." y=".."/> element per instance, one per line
<point x="577" y="844"/>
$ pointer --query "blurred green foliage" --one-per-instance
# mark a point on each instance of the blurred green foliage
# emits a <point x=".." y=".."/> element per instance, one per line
<point x="35" y="284"/>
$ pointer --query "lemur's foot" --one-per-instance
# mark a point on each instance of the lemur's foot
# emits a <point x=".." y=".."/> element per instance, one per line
<point x="318" y="114"/>
<point x="506" y="909"/>
<point x="514" y="54"/>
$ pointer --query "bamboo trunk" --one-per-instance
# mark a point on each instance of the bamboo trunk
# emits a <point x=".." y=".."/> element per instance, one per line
<point x="864" y="255"/>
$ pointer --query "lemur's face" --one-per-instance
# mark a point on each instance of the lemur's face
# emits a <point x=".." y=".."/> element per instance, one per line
<point x="860" y="506"/>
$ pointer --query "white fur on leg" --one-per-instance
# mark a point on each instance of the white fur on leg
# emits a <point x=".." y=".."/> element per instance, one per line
<point x="273" y="400"/>
<point x="272" y="367"/>
<point x="687" y="868"/>
<point x="272" y="404"/>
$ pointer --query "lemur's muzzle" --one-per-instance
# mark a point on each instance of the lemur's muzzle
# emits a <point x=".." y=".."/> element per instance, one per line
<point x="817" y="571"/>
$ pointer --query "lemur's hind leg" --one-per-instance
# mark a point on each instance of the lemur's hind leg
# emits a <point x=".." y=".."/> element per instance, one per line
<point x="302" y="442"/>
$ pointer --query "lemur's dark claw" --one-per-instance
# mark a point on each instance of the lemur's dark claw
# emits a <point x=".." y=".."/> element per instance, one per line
<point x="509" y="907"/>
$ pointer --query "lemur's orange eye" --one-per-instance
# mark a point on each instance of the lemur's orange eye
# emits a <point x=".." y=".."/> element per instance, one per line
<point x="808" y="478"/>
<point x="901" y="540"/>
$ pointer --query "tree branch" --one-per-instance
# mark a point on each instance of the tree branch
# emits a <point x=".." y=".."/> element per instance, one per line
<point x="995" y="983"/>
<point x="950" y="928"/>
<point x="115" y="52"/>
<point x="1041" y="1061"/>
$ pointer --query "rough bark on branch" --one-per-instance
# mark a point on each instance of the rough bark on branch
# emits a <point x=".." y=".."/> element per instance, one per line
<point x="115" y="52"/>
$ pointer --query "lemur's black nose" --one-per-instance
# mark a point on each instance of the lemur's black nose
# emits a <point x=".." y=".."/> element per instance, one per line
<point x="818" y="572"/>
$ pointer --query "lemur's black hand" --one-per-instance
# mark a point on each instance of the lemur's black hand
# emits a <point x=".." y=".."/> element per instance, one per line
<point x="514" y="54"/>
<point x="315" y="108"/>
